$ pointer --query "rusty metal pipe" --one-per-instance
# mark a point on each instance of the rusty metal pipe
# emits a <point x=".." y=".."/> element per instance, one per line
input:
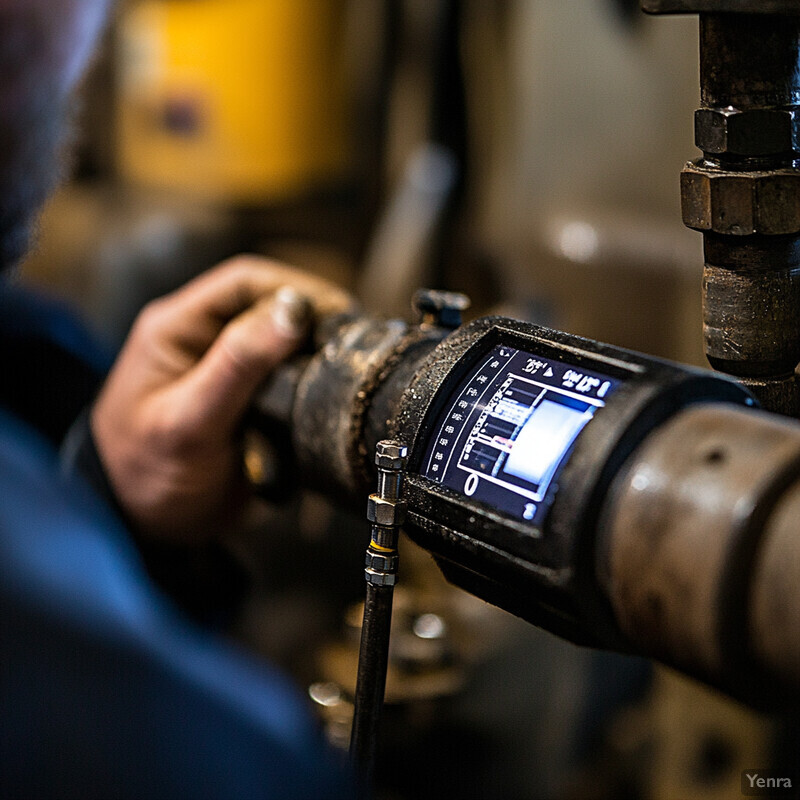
<point x="672" y="535"/>
<point x="742" y="194"/>
<point x="696" y="553"/>
<point x="747" y="130"/>
<point x="774" y="600"/>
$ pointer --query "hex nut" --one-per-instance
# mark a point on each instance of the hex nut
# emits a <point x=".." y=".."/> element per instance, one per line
<point x="381" y="562"/>
<point x="389" y="463"/>
<point x="380" y="578"/>
<point x="385" y="512"/>
<point x="740" y="203"/>
<point x="390" y="455"/>
<point x="753" y="132"/>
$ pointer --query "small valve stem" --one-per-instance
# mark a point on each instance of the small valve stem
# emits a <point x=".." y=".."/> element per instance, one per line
<point x="386" y="512"/>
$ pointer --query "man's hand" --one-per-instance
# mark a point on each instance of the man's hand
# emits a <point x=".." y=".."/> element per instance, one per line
<point x="167" y="420"/>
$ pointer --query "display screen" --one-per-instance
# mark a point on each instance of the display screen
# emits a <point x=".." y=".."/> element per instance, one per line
<point x="507" y="427"/>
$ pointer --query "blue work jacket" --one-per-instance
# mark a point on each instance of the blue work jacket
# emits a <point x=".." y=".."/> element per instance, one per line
<point x="106" y="689"/>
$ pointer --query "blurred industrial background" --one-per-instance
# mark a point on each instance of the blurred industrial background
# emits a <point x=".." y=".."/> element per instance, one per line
<point x="525" y="152"/>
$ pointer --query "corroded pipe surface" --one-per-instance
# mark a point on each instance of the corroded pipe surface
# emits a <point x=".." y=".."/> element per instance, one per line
<point x="743" y="193"/>
<point x="684" y="525"/>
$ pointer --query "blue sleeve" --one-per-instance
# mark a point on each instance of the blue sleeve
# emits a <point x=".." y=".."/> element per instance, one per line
<point x="51" y="365"/>
<point x="105" y="690"/>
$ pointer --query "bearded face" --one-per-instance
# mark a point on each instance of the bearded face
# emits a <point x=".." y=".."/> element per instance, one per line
<point x="44" y="48"/>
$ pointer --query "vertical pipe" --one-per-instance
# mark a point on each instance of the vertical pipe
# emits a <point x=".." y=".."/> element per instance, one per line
<point x="743" y="195"/>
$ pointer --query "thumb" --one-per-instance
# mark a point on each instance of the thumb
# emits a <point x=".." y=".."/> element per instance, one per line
<point x="250" y="346"/>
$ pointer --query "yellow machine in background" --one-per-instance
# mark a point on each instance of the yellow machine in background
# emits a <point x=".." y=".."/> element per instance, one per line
<point x="237" y="101"/>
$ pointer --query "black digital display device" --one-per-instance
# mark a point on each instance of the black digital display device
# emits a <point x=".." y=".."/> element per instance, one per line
<point x="515" y="434"/>
<point x="504" y="431"/>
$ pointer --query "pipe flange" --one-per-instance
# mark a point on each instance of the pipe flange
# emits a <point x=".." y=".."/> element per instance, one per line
<point x="752" y="132"/>
<point x="740" y="203"/>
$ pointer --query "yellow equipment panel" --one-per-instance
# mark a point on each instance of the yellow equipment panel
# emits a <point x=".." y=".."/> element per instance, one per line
<point x="240" y="101"/>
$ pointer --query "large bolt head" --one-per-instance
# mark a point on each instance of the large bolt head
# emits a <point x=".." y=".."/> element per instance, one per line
<point x="385" y="512"/>
<point x="754" y="132"/>
<point x="390" y="454"/>
<point x="740" y="203"/>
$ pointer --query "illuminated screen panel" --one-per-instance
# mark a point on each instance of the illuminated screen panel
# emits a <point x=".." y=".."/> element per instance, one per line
<point x="508" y="426"/>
